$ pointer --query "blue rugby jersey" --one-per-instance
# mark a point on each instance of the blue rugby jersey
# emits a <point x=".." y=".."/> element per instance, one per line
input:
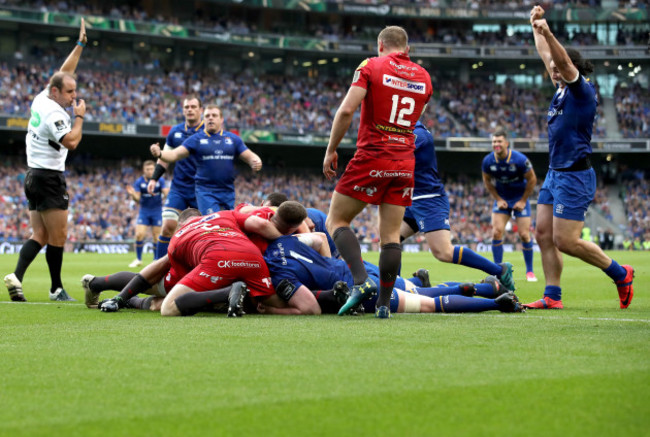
<point x="570" y="120"/>
<point x="319" y="217"/>
<point x="185" y="169"/>
<point x="215" y="154"/>
<point x="508" y="173"/>
<point x="148" y="201"/>
<point x="287" y="258"/>
<point x="427" y="179"/>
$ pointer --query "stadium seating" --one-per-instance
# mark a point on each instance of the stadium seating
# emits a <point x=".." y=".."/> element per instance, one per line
<point x="100" y="209"/>
<point x="449" y="33"/>
<point x="302" y="104"/>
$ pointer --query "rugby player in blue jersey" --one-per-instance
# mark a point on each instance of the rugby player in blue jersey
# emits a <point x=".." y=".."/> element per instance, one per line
<point x="429" y="214"/>
<point x="315" y="220"/>
<point x="316" y="223"/>
<point x="181" y="193"/>
<point x="570" y="183"/>
<point x="301" y="263"/>
<point x="150" y="214"/>
<point x="215" y="150"/>
<point x="510" y="179"/>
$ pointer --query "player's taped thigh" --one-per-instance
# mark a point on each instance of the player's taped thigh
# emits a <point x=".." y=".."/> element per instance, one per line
<point x="170" y="214"/>
<point x="158" y="289"/>
<point x="412" y="303"/>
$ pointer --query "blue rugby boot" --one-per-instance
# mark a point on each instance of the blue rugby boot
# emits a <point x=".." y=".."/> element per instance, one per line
<point x="382" y="312"/>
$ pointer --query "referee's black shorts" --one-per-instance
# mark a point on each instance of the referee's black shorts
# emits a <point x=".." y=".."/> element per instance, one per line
<point x="46" y="189"/>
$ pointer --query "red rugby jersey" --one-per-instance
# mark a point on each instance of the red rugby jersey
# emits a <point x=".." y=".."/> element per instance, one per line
<point x="397" y="93"/>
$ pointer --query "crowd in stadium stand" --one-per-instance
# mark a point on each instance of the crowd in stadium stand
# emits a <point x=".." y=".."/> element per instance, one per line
<point x="214" y="19"/>
<point x="101" y="210"/>
<point x="303" y="104"/>
<point x="636" y="198"/>
<point x="601" y="201"/>
<point x="483" y="106"/>
<point x="633" y="110"/>
<point x="291" y="104"/>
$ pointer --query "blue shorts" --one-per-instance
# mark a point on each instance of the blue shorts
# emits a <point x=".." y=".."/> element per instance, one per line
<point x="210" y="201"/>
<point x="179" y="200"/>
<point x="509" y="211"/>
<point x="428" y="214"/>
<point x="570" y="193"/>
<point x="149" y="217"/>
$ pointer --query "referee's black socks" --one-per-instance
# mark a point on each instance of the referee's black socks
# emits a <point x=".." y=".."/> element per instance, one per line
<point x="54" y="258"/>
<point x="27" y="254"/>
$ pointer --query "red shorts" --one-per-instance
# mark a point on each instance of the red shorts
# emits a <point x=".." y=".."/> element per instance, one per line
<point x="173" y="276"/>
<point x="378" y="181"/>
<point x="220" y="268"/>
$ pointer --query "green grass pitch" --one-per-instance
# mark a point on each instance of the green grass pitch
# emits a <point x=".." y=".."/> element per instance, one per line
<point x="582" y="371"/>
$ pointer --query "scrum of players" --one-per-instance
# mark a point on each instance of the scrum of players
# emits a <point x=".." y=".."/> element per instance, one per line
<point x="271" y="259"/>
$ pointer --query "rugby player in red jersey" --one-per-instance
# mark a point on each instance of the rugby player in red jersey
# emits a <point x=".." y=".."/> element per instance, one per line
<point x="393" y="92"/>
<point x="209" y="253"/>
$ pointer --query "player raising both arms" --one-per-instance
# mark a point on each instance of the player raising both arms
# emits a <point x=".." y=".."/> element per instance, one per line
<point x="570" y="183"/>
<point x="392" y="92"/>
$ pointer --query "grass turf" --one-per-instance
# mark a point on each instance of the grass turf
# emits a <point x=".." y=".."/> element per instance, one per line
<point x="584" y="370"/>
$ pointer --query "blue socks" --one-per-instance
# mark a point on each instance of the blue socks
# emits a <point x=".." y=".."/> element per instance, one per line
<point x="615" y="271"/>
<point x="138" y="249"/>
<point x="440" y="290"/>
<point x="485" y="290"/>
<point x="468" y="258"/>
<point x="528" y="255"/>
<point x="161" y="247"/>
<point x="553" y="291"/>
<point x="482" y="290"/>
<point x="462" y="304"/>
<point x="497" y="251"/>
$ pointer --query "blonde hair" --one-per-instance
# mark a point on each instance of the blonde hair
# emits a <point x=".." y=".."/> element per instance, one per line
<point x="394" y="37"/>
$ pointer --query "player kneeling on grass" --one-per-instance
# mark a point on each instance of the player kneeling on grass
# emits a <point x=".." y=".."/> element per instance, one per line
<point x="300" y="264"/>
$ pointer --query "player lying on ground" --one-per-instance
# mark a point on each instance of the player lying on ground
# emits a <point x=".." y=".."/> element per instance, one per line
<point x="330" y="300"/>
<point x="297" y="267"/>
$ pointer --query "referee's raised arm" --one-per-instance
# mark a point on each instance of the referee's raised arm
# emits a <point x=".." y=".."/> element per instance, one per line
<point x="70" y="64"/>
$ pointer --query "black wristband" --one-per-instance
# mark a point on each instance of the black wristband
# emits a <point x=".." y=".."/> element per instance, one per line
<point x="79" y="116"/>
<point x="158" y="172"/>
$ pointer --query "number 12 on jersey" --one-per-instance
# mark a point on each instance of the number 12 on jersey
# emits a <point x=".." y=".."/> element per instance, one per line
<point x="407" y="107"/>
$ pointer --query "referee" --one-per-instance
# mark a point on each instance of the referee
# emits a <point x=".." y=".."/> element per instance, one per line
<point x="50" y="134"/>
